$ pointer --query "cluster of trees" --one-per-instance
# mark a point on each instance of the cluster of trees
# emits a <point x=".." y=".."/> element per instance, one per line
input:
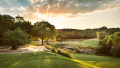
<point x="109" y="39"/>
<point x="78" y="34"/>
<point x="100" y="33"/>
<point x="110" y="45"/>
<point x="16" y="31"/>
<point x="13" y="31"/>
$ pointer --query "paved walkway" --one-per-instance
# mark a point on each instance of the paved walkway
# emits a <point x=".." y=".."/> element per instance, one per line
<point x="30" y="48"/>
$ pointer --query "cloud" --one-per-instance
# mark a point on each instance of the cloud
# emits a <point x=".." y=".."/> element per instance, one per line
<point x="71" y="16"/>
<point x="29" y="16"/>
<point x="69" y="6"/>
<point x="54" y="8"/>
<point x="1" y="9"/>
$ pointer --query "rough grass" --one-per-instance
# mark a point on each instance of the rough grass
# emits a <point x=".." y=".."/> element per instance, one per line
<point x="40" y="60"/>
<point x="85" y="42"/>
<point x="101" y="61"/>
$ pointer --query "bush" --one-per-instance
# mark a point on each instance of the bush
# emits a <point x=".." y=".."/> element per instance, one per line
<point x="115" y="51"/>
<point x="67" y="54"/>
<point x="53" y="50"/>
<point x="55" y="45"/>
<point x="64" y="53"/>
<point x="104" y="50"/>
<point x="15" y="38"/>
<point x="72" y="48"/>
<point x="59" y="51"/>
<point x="80" y="47"/>
<point x="48" y="47"/>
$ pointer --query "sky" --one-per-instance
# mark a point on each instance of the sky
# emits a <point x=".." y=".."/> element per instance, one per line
<point x="73" y="14"/>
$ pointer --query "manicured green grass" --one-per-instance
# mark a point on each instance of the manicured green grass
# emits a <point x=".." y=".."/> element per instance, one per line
<point x="85" y="42"/>
<point x="101" y="61"/>
<point x="40" y="60"/>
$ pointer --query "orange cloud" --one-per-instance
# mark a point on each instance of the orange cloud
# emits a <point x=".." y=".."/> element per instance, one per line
<point x="54" y="8"/>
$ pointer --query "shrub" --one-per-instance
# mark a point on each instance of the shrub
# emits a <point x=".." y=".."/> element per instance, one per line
<point x="64" y="53"/>
<point x="59" y="51"/>
<point x="115" y="51"/>
<point x="48" y="47"/>
<point x="54" y="45"/>
<point x="72" y="48"/>
<point x="80" y="47"/>
<point x="53" y="50"/>
<point x="67" y="54"/>
<point x="104" y="49"/>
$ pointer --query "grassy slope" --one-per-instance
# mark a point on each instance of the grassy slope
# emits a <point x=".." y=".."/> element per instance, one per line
<point x="85" y="42"/>
<point x="41" y="60"/>
<point x="101" y="61"/>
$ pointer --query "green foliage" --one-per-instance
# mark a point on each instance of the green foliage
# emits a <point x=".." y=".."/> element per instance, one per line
<point x="59" y="51"/>
<point x="101" y="35"/>
<point x="104" y="50"/>
<point x="8" y="23"/>
<point x="44" y="30"/>
<point x="48" y="47"/>
<point x="112" y="30"/>
<point x="64" y="53"/>
<point x="53" y="50"/>
<point x="5" y="23"/>
<point x="106" y="46"/>
<point x="115" y="51"/>
<point x="75" y="34"/>
<point x="72" y="48"/>
<point x="24" y="26"/>
<point x="110" y="45"/>
<point x="15" y="38"/>
<point x="103" y="28"/>
<point x="65" y="34"/>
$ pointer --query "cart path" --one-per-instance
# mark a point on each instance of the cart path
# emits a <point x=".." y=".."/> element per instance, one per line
<point x="30" y="48"/>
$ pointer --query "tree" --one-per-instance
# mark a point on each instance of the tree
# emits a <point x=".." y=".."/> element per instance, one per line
<point x="101" y="35"/>
<point x="24" y="26"/>
<point x="81" y="34"/>
<point x="110" y="45"/>
<point x="5" y="23"/>
<point x="19" y="19"/>
<point x="103" y="28"/>
<point x="44" y="30"/>
<point x="15" y="38"/>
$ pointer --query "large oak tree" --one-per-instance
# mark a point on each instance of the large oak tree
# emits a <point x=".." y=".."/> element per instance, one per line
<point x="44" y="30"/>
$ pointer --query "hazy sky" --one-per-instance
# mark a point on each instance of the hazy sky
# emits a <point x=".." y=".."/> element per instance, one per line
<point x="76" y="14"/>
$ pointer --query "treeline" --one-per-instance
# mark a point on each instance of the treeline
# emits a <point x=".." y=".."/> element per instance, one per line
<point x="17" y="31"/>
<point x="14" y="32"/>
<point x="84" y="34"/>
